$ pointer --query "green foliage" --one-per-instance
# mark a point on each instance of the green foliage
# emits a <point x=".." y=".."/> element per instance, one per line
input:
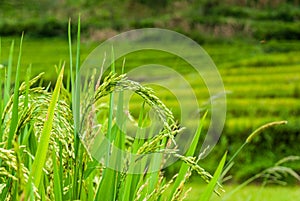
<point x="204" y="21"/>
<point x="261" y="80"/>
<point x="282" y="30"/>
<point x="43" y="159"/>
<point x="46" y="155"/>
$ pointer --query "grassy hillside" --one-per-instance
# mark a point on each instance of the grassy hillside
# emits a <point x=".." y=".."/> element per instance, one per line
<point x="203" y="20"/>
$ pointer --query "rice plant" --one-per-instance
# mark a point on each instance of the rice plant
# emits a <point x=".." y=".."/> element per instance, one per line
<point x="42" y="156"/>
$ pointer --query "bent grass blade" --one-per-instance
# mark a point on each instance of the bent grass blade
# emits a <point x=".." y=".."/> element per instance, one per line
<point x="41" y="154"/>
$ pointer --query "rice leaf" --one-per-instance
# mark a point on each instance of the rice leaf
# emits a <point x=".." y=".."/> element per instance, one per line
<point x="57" y="182"/>
<point x="14" y="119"/>
<point x="9" y="72"/>
<point x="40" y="157"/>
<point x="213" y="182"/>
<point x="76" y="116"/>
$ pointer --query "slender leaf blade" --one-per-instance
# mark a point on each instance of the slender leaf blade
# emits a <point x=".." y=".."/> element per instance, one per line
<point x="15" y="109"/>
<point x="41" y="154"/>
<point x="213" y="182"/>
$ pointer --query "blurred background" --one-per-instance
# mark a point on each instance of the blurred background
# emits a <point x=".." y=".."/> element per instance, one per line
<point x="254" y="43"/>
<point x="202" y="20"/>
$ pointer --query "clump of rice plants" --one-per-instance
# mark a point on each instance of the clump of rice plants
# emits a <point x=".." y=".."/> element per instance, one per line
<point x="42" y="156"/>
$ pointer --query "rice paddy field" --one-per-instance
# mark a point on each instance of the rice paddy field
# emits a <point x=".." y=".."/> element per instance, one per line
<point x="262" y="82"/>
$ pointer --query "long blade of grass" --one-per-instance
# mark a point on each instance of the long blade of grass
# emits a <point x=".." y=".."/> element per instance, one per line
<point x="41" y="153"/>
<point x="70" y="53"/>
<point x="77" y="80"/>
<point x="76" y="116"/>
<point x="109" y="176"/>
<point x="57" y="182"/>
<point x="213" y="182"/>
<point x="15" y="109"/>
<point x="9" y="72"/>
